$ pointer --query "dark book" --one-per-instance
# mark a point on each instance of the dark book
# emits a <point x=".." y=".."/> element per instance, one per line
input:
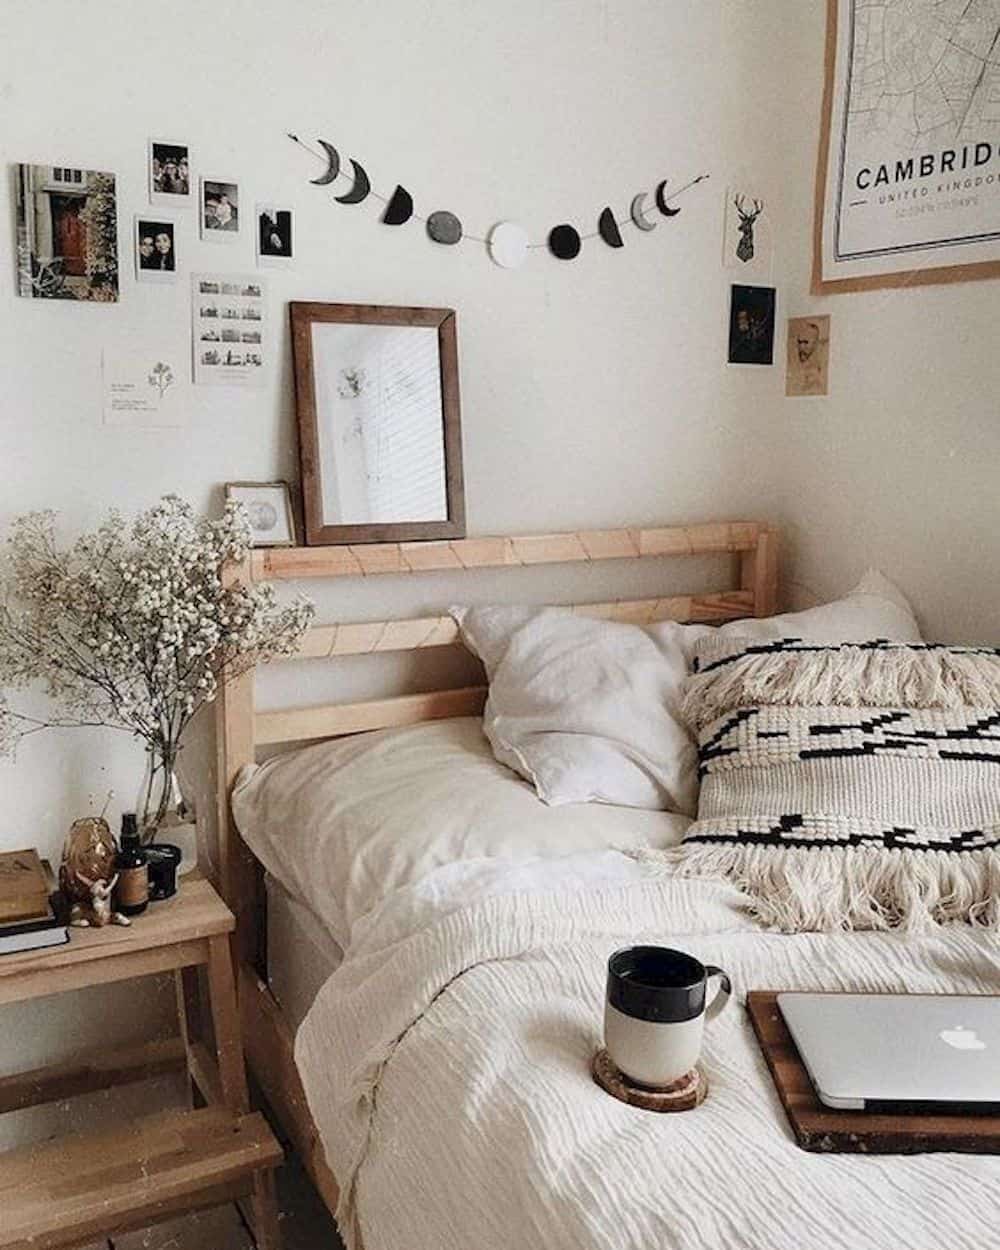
<point x="15" y="943"/>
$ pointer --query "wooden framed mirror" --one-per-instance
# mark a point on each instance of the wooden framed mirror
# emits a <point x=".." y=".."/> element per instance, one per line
<point x="380" y="445"/>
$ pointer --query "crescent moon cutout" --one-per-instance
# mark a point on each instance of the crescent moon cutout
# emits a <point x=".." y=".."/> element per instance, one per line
<point x="508" y="245"/>
<point x="607" y="228"/>
<point x="399" y="209"/>
<point x="564" y="242"/>
<point x="661" y="202"/>
<point x="637" y="214"/>
<point x="333" y="164"/>
<point x="360" y="189"/>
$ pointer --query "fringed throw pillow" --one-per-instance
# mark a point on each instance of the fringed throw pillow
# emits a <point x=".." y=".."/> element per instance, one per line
<point x="848" y="787"/>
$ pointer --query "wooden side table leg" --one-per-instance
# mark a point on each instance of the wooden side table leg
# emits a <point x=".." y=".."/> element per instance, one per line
<point x="190" y="1019"/>
<point x="264" y="1202"/>
<point x="226" y="1024"/>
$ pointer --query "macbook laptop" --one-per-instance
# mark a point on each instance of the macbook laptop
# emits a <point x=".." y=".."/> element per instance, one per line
<point x="931" y="1053"/>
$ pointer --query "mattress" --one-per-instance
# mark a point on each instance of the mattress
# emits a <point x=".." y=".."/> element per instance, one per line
<point x="301" y="953"/>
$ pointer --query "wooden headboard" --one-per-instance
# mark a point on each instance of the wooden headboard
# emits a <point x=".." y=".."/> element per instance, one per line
<point x="241" y="729"/>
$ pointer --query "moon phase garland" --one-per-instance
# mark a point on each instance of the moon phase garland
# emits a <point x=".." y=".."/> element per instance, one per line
<point x="507" y="242"/>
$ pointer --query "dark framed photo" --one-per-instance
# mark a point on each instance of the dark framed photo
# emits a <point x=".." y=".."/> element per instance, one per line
<point x="170" y="179"/>
<point x="274" y="235"/>
<point x="155" y="249"/>
<point x="751" y="325"/>
<point x="220" y="209"/>
<point x="269" y="507"/>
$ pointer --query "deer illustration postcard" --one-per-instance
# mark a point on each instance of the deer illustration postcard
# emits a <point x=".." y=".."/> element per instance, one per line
<point x="747" y="244"/>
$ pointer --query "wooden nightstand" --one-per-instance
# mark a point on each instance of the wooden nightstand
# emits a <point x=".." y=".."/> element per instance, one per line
<point x="60" y="1193"/>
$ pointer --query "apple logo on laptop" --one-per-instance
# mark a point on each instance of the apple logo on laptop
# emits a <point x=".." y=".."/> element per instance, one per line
<point x="961" y="1038"/>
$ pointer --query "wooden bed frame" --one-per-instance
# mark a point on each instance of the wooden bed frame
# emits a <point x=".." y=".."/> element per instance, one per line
<point x="267" y="1035"/>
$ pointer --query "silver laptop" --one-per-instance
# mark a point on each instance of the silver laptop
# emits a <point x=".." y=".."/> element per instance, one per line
<point x="899" y="1052"/>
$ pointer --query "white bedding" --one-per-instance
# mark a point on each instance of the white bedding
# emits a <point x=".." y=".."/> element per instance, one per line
<point x="301" y="952"/>
<point x="446" y="1065"/>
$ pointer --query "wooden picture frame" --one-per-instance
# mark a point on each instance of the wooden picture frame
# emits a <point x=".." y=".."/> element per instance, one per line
<point x="318" y="531"/>
<point x="907" y="275"/>
<point x="291" y="529"/>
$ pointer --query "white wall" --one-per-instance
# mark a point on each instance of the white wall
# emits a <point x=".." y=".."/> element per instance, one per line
<point x="897" y="468"/>
<point x="593" y="393"/>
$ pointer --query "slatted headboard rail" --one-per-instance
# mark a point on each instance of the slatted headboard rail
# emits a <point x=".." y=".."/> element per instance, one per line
<point x="240" y="729"/>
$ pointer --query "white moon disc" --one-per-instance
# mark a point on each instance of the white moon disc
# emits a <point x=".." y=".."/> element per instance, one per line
<point x="508" y="245"/>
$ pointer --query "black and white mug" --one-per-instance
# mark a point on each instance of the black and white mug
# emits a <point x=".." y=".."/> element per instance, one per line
<point x="655" y="1012"/>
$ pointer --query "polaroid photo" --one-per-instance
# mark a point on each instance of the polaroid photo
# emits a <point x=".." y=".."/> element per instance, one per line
<point x="170" y="180"/>
<point x="155" y="244"/>
<point x="269" y="508"/>
<point x="220" y="210"/>
<point x="274" y="236"/>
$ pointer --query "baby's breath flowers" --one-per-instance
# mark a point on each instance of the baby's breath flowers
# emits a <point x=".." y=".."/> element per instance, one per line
<point x="132" y="627"/>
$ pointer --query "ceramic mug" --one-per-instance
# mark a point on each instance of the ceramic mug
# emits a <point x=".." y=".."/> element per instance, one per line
<point x="655" y="1012"/>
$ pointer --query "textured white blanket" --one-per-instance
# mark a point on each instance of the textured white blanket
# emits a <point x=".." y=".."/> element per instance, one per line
<point x="446" y="1065"/>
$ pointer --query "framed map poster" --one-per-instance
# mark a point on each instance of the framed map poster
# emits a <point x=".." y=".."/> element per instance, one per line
<point x="908" y="176"/>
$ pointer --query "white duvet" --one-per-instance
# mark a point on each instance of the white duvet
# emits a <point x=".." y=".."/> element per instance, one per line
<point x="446" y="1063"/>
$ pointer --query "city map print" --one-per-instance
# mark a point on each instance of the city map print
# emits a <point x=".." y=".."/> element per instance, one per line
<point x="913" y="159"/>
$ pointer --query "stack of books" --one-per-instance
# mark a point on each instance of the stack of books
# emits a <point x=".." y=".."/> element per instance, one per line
<point x="28" y="917"/>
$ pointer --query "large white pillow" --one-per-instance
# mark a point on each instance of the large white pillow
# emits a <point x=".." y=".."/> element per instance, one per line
<point x="587" y="710"/>
<point x="342" y="824"/>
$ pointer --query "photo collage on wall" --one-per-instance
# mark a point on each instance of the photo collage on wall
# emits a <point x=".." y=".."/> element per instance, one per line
<point x="229" y="329"/>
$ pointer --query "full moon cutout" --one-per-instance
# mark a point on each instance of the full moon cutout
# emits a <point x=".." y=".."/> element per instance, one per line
<point x="332" y="164"/>
<point x="508" y="245"/>
<point x="360" y="189"/>
<point x="564" y="242"/>
<point x="638" y="215"/>
<point x="444" y="227"/>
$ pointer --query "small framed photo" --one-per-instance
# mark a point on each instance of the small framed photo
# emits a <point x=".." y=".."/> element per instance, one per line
<point x="751" y="325"/>
<point x="170" y="181"/>
<point x="274" y="235"/>
<point x="269" y="506"/>
<point x="220" y="209"/>
<point x="155" y="249"/>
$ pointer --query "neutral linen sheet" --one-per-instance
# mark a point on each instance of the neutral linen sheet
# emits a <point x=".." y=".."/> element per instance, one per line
<point x="343" y="824"/>
<point x="301" y="953"/>
<point x="446" y="1065"/>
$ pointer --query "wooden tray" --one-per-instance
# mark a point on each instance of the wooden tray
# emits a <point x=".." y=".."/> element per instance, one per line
<point x="820" y="1128"/>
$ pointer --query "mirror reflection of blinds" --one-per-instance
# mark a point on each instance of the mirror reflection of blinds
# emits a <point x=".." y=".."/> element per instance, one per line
<point x="404" y="453"/>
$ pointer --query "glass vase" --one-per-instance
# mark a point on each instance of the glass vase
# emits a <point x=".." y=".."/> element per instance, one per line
<point x="159" y="806"/>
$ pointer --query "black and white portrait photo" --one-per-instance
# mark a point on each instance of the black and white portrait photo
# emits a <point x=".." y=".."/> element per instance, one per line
<point x="169" y="173"/>
<point x="751" y="325"/>
<point x="274" y="235"/>
<point x="155" y="250"/>
<point x="220" y="209"/>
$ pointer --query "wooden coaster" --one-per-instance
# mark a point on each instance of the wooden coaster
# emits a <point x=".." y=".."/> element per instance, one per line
<point x="683" y="1095"/>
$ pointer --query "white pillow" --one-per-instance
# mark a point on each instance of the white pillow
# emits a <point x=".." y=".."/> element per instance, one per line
<point x="587" y="710"/>
<point x="342" y="824"/>
<point x="875" y="608"/>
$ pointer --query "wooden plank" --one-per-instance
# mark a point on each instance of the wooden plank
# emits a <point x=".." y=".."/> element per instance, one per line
<point x="820" y="1128"/>
<point x="759" y="573"/>
<point x="270" y="1051"/>
<point x="56" y="1193"/>
<point x="87" y="1073"/>
<point x="417" y="633"/>
<point x="331" y="720"/>
<point x="226" y="1025"/>
<point x="124" y="966"/>
<point x="494" y="552"/>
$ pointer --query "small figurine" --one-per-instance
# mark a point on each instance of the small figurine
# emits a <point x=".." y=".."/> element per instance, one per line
<point x="88" y="855"/>
<point x="97" y="912"/>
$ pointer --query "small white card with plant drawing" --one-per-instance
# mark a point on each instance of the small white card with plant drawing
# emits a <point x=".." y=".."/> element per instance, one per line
<point x="143" y="388"/>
